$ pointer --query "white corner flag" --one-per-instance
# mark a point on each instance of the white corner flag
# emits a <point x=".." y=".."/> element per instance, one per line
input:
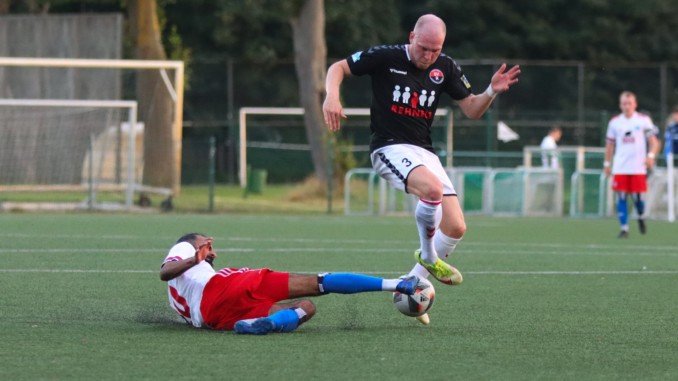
<point x="506" y="134"/>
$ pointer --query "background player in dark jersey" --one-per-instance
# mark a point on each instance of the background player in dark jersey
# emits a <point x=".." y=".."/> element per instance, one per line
<point x="407" y="82"/>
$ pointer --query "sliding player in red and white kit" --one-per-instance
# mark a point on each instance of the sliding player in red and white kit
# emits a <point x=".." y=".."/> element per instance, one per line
<point x="628" y="136"/>
<point x="250" y="301"/>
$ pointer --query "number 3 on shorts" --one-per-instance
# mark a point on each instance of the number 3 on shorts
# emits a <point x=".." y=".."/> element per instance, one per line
<point x="407" y="162"/>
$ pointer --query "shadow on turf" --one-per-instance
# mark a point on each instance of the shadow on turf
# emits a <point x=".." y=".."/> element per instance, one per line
<point x="352" y="319"/>
<point x="160" y="318"/>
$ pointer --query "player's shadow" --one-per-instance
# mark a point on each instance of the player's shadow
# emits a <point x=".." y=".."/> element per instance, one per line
<point x="354" y="319"/>
<point x="159" y="319"/>
<point x="351" y="318"/>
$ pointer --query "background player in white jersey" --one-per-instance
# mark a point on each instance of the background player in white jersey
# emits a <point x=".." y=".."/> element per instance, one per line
<point x="247" y="300"/>
<point x="550" y="142"/>
<point x="401" y="146"/>
<point x="631" y="138"/>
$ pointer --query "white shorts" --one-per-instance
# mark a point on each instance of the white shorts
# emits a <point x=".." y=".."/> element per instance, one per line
<point x="395" y="162"/>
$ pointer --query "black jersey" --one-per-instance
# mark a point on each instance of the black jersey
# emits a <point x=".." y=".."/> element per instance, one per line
<point x="404" y="97"/>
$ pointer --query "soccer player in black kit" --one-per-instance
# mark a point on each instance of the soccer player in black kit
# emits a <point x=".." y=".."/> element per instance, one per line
<point x="407" y="82"/>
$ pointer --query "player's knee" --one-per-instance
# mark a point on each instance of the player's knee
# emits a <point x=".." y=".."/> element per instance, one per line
<point x="308" y="307"/>
<point x="433" y="191"/>
<point x="459" y="230"/>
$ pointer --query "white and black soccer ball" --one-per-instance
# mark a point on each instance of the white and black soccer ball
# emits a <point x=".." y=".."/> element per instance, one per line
<point x="418" y="303"/>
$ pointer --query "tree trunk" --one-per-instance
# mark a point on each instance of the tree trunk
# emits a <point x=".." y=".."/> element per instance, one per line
<point x="4" y="6"/>
<point x="310" y="59"/>
<point x="155" y="103"/>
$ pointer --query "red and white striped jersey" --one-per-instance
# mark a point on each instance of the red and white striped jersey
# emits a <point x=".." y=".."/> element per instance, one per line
<point x="185" y="291"/>
<point x="630" y="136"/>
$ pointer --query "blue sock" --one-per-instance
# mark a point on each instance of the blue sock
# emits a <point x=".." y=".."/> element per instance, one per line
<point x="622" y="210"/>
<point x="347" y="283"/>
<point x="640" y="204"/>
<point x="285" y="320"/>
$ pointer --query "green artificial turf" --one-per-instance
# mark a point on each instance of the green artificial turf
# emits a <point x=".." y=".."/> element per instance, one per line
<point x="542" y="299"/>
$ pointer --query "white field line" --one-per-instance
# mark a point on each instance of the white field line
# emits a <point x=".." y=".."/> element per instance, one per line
<point x="161" y="251"/>
<point x="322" y="250"/>
<point x="513" y="273"/>
<point x="376" y="241"/>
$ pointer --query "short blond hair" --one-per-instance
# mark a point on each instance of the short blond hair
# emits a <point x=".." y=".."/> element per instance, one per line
<point x="627" y="93"/>
<point x="431" y="21"/>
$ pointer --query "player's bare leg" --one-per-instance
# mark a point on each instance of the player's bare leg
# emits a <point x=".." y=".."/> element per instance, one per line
<point x="452" y="227"/>
<point x="306" y="305"/>
<point x="426" y="185"/>
<point x="451" y="230"/>
<point x="640" y="208"/>
<point x="303" y="285"/>
<point x="287" y="316"/>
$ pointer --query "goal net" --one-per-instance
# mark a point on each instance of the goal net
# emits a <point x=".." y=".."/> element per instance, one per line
<point x="66" y="126"/>
<point x="69" y="146"/>
<point x="274" y="139"/>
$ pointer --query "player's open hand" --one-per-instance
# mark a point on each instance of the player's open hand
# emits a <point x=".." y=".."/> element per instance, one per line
<point x="503" y="79"/>
<point x="333" y="113"/>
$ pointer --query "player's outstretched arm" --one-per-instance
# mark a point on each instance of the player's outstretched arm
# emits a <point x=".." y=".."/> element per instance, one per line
<point x="333" y="111"/>
<point x="171" y="270"/>
<point x="474" y="106"/>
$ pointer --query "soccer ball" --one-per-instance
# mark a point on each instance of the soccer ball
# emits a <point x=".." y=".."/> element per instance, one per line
<point x="418" y="303"/>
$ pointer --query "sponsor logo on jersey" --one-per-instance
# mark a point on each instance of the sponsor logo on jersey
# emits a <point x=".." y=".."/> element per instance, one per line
<point x="396" y="71"/>
<point x="466" y="83"/>
<point x="436" y="76"/>
<point x="356" y="56"/>
<point x="411" y="111"/>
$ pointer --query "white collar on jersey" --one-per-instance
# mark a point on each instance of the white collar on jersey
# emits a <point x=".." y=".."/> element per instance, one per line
<point x="407" y="51"/>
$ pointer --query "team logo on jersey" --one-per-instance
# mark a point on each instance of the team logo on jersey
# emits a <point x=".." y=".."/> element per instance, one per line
<point x="356" y="56"/>
<point x="436" y="76"/>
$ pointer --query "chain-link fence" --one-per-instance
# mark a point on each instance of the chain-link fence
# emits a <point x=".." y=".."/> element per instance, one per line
<point x="577" y="96"/>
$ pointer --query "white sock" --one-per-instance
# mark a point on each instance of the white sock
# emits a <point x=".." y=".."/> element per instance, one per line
<point x="419" y="271"/>
<point x="425" y="215"/>
<point x="444" y="244"/>
<point x="439" y="216"/>
<point x="300" y="312"/>
<point x="389" y="284"/>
